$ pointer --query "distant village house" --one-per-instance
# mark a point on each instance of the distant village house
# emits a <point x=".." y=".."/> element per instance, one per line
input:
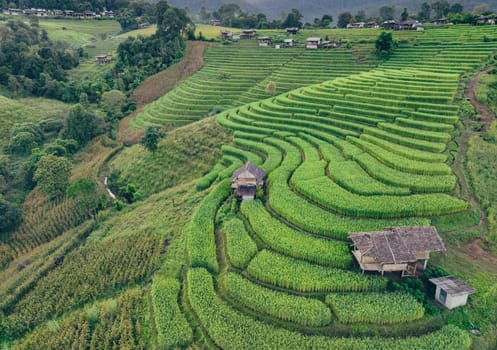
<point x="288" y="43"/>
<point x="248" y="34"/>
<point x="292" y="31"/>
<point x="244" y="181"/>
<point x="264" y="41"/>
<point x="405" y="249"/>
<point x="225" y="34"/>
<point x="330" y="44"/>
<point x="313" y="43"/>
<point x="103" y="59"/>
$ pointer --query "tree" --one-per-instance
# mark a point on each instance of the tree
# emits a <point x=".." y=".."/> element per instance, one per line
<point x="404" y="15"/>
<point x="10" y="215"/>
<point x="293" y="19"/>
<point x="384" y="44"/>
<point x="425" y="13"/>
<point x="82" y="125"/>
<point x="112" y="103"/>
<point x="456" y="8"/>
<point x="127" y="20"/>
<point x="360" y="16"/>
<point x="441" y="8"/>
<point x="151" y="138"/>
<point x="387" y="13"/>
<point x="343" y="19"/>
<point x="325" y="21"/>
<point x="52" y="175"/>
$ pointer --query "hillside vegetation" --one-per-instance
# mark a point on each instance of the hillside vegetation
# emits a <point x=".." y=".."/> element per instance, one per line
<point x="349" y="142"/>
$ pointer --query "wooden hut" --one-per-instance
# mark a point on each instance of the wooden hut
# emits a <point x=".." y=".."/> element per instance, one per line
<point x="390" y="24"/>
<point x="292" y="31"/>
<point x="313" y="43"/>
<point x="288" y="43"/>
<point x="410" y="24"/>
<point x="440" y="21"/>
<point x="404" y="248"/>
<point x="330" y="44"/>
<point x="451" y="292"/>
<point x="247" y="34"/>
<point x="245" y="180"/>
<point x="225" y="34"/>
<point x="103" y="59"/>
<point x="264" y="41"/>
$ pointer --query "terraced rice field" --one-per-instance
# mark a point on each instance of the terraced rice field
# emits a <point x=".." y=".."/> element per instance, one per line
<point x="358" y="152"/>
<point x="234" y="75"/>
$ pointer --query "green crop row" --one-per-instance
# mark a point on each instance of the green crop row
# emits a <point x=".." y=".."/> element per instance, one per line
<point x="399" y="162"/>
<point x="433" y="118"/>
<point x="234" y="163"/>
<point x="207" y="180"/>
<point x="327" y="193"/>
<point x="349" y="175"/>
<point x="246" y="156"/>
<point x="172" y="327"/>
<point x="201" y="244"/>
<point x="229" y="329"/>
<point x="407" y="141"/>
<point x="404" y="151"/>
<point x="433" y="136"/>
<point x="289" y="241"/>
<point x="425" y="125"/>
<point x="417" y="183"/>
<point x="239" y="246"/>
<point x="301" y="310"/>
<point x="273" y="155"/>
<point x="375" y="307"/>
<point x="310" y="152"/>
<point x="314" y="219"/>
<point x="301" y="276"/>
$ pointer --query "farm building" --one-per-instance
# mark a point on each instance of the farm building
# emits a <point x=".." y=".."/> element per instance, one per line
<point x="451" y="292"/>
<point x="103" y="59"/>
<point x="247" y="34"/>
<point x="313" y="43"/>
<point x="264" y="41"/>
<point x="371" y="25"/>
<point x="292" y="31"/>
<point x="330" y="44"/>
<point x="356" y="25"/>
<point x="225" y="34"/>
<point x="440" y="21"/>
<point x="403" y="248"/>
<point x="143" y="25"/>
<point x="390" y="24"/>
<point x="245" y="180"/>
<point x="288" y="43"/>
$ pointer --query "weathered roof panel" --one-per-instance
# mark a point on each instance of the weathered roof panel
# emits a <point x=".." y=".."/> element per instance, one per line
<point x="452" y="285"/>
<point x="397" y="245"/>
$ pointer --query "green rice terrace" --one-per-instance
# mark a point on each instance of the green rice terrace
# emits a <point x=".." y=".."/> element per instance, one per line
<point x="349" y="142"/>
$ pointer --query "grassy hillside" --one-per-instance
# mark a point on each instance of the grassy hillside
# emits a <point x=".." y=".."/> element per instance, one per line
<point x="349" y="143"/>
<point x="182" y="156"/>
<point x="27" y="110"/>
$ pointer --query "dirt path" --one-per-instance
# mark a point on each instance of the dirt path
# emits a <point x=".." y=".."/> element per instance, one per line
<point x="161" y="83"/>
<point x="473" y="249"/>
<point x="487" y="117"/>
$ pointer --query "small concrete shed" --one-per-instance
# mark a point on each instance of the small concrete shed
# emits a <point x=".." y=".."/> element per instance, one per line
<point x="451" y="292"/>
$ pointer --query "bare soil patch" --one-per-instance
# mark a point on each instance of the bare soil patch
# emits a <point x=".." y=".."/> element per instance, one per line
<point x="161" y="83"/>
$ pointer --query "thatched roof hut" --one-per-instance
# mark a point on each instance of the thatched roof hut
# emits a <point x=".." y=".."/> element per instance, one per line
<point x="396" y="248"/>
